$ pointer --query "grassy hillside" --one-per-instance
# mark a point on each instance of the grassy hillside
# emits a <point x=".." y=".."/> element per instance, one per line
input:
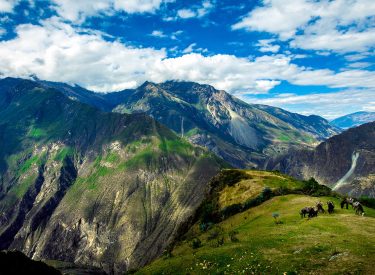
<point x="251" y="242"/>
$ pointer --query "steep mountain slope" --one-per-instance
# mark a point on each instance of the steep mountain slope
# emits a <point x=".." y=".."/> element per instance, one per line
<point x="271" y="237"/>
<point x="353" y="120"/>
<point x="242" y="134"/>
<point x="101" y="189"/>
<point x="345" y="162"/>
<point x="80" y="94"/>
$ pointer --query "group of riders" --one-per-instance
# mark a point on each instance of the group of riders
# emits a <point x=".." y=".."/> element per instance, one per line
<point x="312" y="211"/>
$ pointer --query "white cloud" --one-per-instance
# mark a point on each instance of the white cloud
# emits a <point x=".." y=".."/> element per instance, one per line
<point x="157" y="33"/>
<point x="359" y="65"/>
<point x="56" y="51"/>
<point x="189" y="48"/>
<point x="79" y="10"/>
<point x="339" y="25"/>
<point x="265" y="45"/>
<point x="7" y="6"/>
<point x="186" y="13"/>
<point x="277" y="16"/>
<point x="328" y="105"/>
<point x="194" y="12"/>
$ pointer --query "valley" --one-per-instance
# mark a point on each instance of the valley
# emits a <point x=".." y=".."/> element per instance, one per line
<point x="87" y="188"/>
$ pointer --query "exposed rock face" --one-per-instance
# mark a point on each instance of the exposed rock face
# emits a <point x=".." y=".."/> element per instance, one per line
<point x="100" y="189"/>
<point x="345" y="162"/>
<point x="244" y="135"/>
<point x="354" y="120"/>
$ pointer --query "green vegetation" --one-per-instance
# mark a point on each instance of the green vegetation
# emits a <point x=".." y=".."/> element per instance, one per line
<point x="21" y="188"/>
<point x="37" y="133"/>
<point x="271" y="237"/>
<point x="63" y="153"/>
<point x="176" y="146"/>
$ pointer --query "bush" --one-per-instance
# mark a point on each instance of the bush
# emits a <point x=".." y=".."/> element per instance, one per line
<point x="231" y="210"/>
<point x="369" y="202"/>
<point x="313" y="188"/>
<point x="220" y="241"/>
<point x="214" y="233"/>
<point x="196" y="243"/>
<point x="266" y="193"/>
<point x="233" y="236"/>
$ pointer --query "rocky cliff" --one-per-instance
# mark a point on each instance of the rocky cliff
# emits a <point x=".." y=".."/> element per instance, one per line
<point x="244" y="135"/>
<point x="102" y="189"/>
<point x="345" y="162"/>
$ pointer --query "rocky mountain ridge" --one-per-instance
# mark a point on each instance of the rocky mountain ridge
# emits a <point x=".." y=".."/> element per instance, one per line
<point x="101" y="189"/>
<point x="353" y="120"/>
<point x="345" y="162"/>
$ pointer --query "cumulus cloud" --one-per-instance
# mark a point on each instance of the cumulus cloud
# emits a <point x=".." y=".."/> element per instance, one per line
<point x="329" y="105"/>
<point x="56" y="51"/>
<point x="339" y="25"/>
<point x="7" y="6"/>
<point x="78" y="11"/>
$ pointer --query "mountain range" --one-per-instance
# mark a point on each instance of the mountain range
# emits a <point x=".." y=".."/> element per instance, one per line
<point x="353" y="120"/>
<point x="243" y="134"/>
<point x="345" y="162"/>
<point x="112" y="181"/>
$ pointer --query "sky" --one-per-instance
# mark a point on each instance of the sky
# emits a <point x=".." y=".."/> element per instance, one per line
<point x="309" y="57"/>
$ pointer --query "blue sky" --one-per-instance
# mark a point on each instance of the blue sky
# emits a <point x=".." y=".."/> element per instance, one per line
<point x="310" y="57"/>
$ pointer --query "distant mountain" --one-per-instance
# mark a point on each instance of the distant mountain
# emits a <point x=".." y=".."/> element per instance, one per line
<point x="80" y="185"/>
<point x="345" y="162"/>
<point x="353" y="120"/>
<point x="80" y="94"/>
<point x="244" y="135"/>
<point x="240" y="133"/>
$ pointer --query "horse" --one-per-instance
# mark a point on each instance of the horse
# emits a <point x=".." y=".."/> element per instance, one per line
<point x="319" y="206"/>
<point x="305" y="211"/>
<point x="346" y="202"/>
<point x="357" y="206"/>
<point x="313" y="212"/>
<point x="331" y="207"/>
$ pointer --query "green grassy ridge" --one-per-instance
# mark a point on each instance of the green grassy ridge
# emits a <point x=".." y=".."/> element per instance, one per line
<point x="329" y="244"/>
<point x="235" y="190"/>
<point x="145" y="154"/>
<point x="249" y="240"/>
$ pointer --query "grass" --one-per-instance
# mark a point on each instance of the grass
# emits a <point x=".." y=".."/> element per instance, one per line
<point x="37" y="133"/>
<point x="21" y="188"/>
<point x="329" y="244"/>
<point x="255" y="242"/>
<point x="253" y="184"/>
<point x="63" y="153"/>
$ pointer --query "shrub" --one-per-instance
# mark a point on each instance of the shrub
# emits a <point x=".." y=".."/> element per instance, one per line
<point x="214" y="233"/>
<point x="233" y="236"/>
<point x="369" y="202"/>
<point x="231" y="210"/>
<point x="220" y="241"/>
<point x="196" y="243"/>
